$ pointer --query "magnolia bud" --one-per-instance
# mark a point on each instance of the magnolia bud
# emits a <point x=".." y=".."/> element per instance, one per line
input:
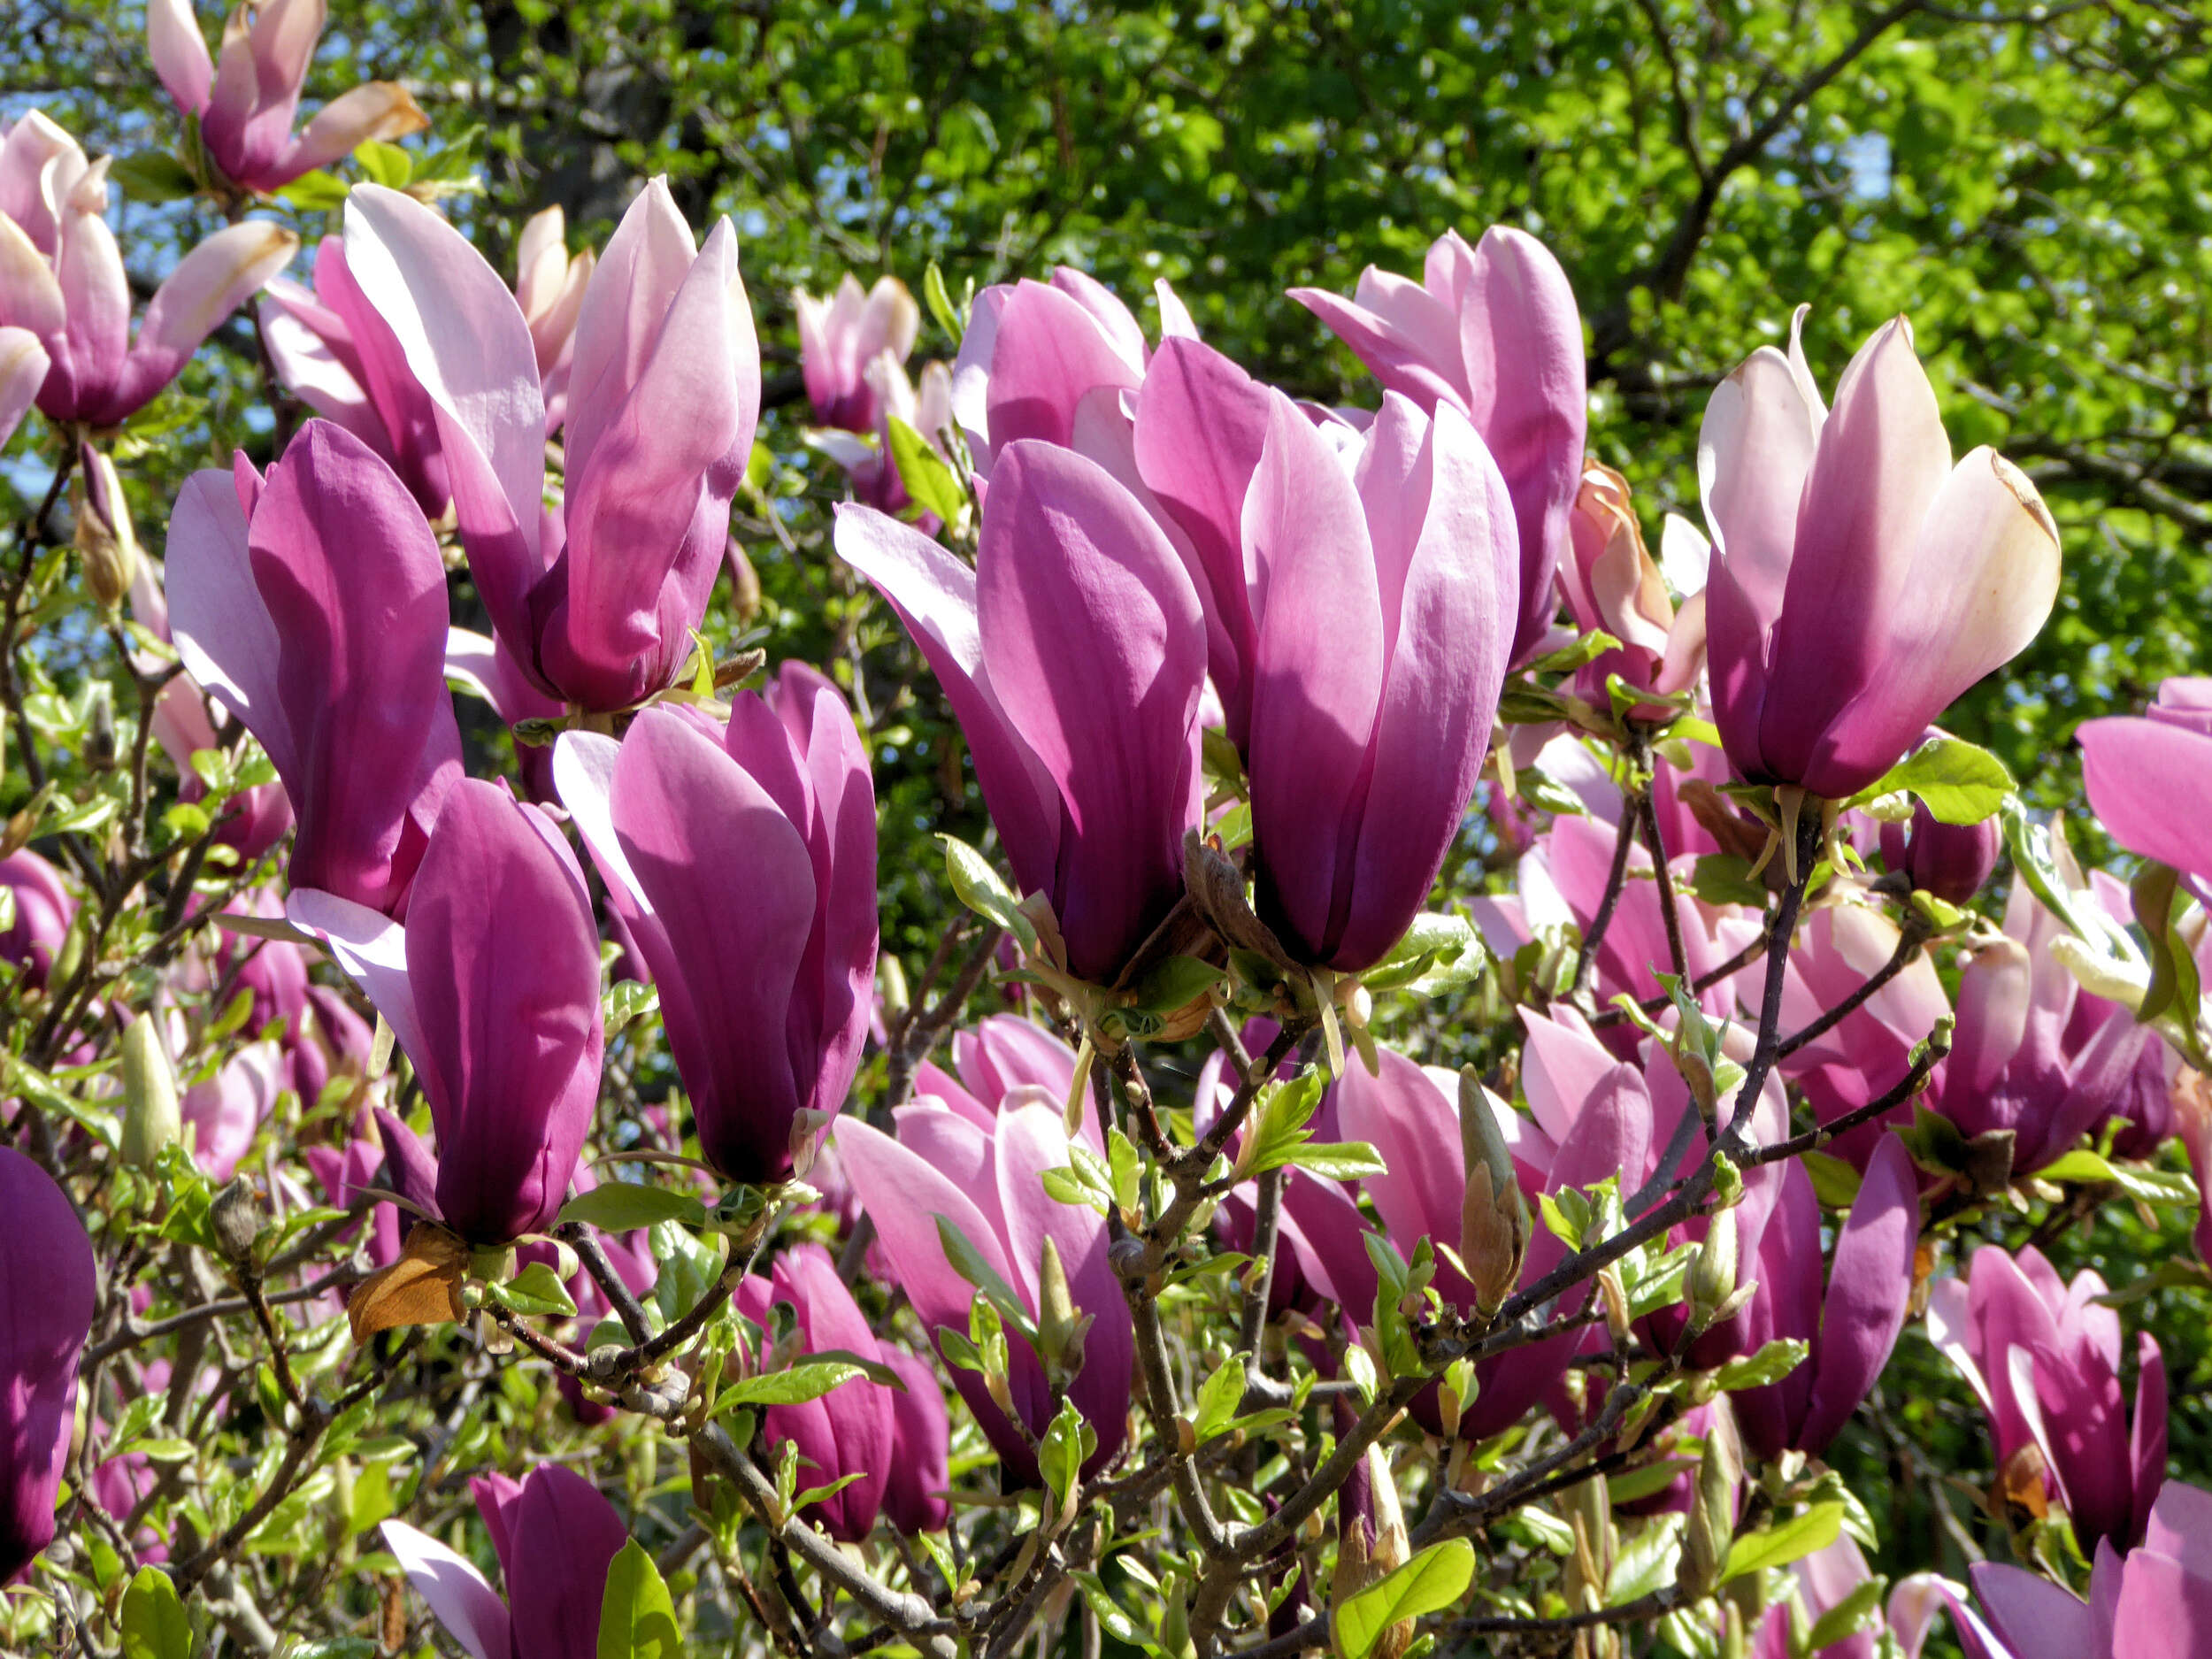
<point x="1371" y="1543"/>
<point x="151" y="1118"/>
<point x="106" y="541"/>
<point x="1060" y="1328"/>
<point x="235" y="1220"/>
<point x="891" y="987"/>
<point x="744" y="582"/>
<point x="1614" y="1295"/>
<point x="1712" y="1524"/>
<point x="1712" y="1271"/>
<point x="1494" y="1219"/>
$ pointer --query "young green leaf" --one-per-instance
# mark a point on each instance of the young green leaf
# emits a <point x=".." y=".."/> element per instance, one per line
<point x="624" y="1206"/>
<point x="154" y="1626"/>
<point x="1785" y="1541"/>
<point x="637" y="1619"/>
<point x="1435" y="1580"/>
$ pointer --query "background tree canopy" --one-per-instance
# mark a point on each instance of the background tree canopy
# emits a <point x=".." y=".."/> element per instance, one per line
<point x="2026" y="182"/>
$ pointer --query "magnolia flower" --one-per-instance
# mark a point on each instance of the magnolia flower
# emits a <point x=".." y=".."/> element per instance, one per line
<point x="2044" y="1359"/>
<point x="876" y="479"/>
<point x="1865" y="1054"/>
<point x="1826" y="1579"/>
<point x="842" y="338"/>
<point x="1850" y="1323"/>
<point x="48" y="1287"/>
<point x="597" y="600"/>
<point x="1410" y="1115"/>
<point x="1073" y="655"/>
<point x="848" y="1431"/>
<point x="1034" y="351"/>
<point x="945" y="1169"/>
<point x="62" y="281"/>
<point x="1952" y="862"/>
<point x="312" y="605"/>
<point x="556" y="1538"/>
<point x="492" y="990"/>
<point x="742" y="861"/>
<point x="1613" y="583"/>
<point x="2154" y="1602"/>
<point x="43" y="909"/>
<point x="1492" y="330"/>
<point x="334" y="352"/>
<point x="23" y="365"/>
<point x="2035" y="1056"/>
<point x="549" y="286"/>
<point x="2147" y="777"/>
<point x="247" y="100"/>
<point x="251" y="822"/>
<point x="1860" y="581"/>
<point x="1379" y="650"/>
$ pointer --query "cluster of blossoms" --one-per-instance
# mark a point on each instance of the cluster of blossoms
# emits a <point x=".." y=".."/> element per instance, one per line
<point x="1244" y="682"/>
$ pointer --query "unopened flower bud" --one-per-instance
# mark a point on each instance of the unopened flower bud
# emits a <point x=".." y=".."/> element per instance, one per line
<point x="1494" y="1223"/>
<point x="150" y="1117"/>
<point x="1712" y="1271"/>
<point x="891" y="987"/>
<point x="106" y="541"/>
<point x="1371" y="1543"/>
<point x="1712" y="1524"/>
<point x="744" y="582"/>
<point x="1614" y="1297"/>
<point x="235" y="1219"/>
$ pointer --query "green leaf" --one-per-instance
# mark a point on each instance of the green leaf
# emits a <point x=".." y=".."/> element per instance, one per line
<point x="932" y="484"/>
<point x="1772" y="1362"/>
<point x="384" y="163"/>
<point x="2145" y="1181"/>
<point x="977" y="886"/>
<point x="1958" y="781"/>
<point x="1858" y="1611"/>
<point x="1725" y="878"/>
<point x="1066" y="1185"/>
<point x="1646" y="1560"/>
<point x="1111" y="1620"/>
<point x="1177" y="983"/>
<point x="2159" y="903"/>
<point x="1437" y="945"/>
<point x="153" y="176"/>
<point x="637" y="1620"/>
<point x="1835" y="1183"/>
<point x="1339" y="1160"/>
<point x="1126" y="1168"/>
<point x="1060" y="1454"/>
<point x="808" y="1380"/>
<point x="154" y="1626"/>
<point x="538" y="1290"/>
<point x="624" y="1206"/>
<point x="968" y="1262"/>
<point x="1218" y="1398"/>
<point x="1785" y="1541"/>
<point x="1435" y="1580"/>
<point x="940" y="304"/>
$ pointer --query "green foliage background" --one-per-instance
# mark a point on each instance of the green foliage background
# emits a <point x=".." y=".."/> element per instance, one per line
<point x="2028" y="184"/>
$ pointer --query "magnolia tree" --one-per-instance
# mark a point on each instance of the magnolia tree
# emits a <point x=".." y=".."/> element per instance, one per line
<point x="501" y="1197"/>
